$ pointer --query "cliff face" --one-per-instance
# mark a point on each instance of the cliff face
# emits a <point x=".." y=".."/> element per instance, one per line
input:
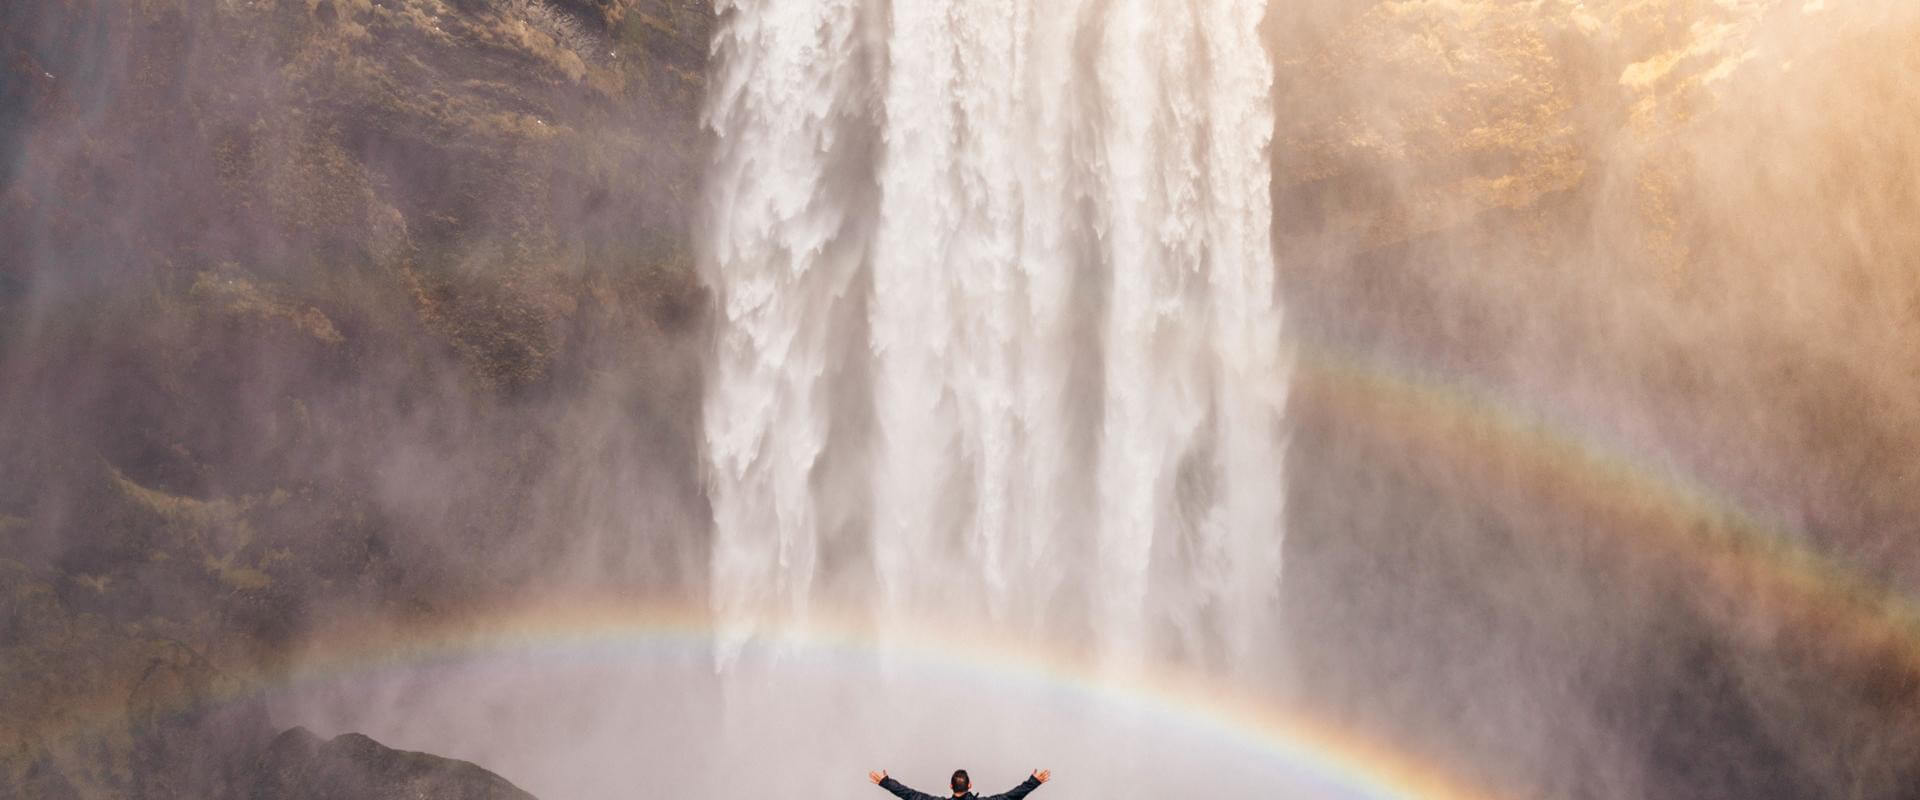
<point x="1608" y="327"/>
<point x="309" y="306"/>
<point x="320" y="305"/>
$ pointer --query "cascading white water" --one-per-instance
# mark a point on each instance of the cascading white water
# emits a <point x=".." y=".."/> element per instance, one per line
<point x="997" y="341"/>
<point x="998" y="335"/>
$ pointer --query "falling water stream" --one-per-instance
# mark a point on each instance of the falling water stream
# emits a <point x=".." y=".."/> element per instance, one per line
<point x="998" y="346"/>
<point x="998" y="334"/>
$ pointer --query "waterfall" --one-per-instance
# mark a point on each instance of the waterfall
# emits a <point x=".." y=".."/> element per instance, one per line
<point x="997" y="331"/>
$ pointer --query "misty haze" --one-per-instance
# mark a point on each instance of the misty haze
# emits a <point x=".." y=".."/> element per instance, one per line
<point x="463" y="399"/>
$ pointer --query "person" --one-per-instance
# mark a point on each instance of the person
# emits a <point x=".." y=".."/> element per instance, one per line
<point x="962" y="786"/>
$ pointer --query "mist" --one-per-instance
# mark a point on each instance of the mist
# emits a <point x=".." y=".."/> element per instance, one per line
<point x="1523" y="395"/>
<point x="323" y="311"/>
<point x="1645" y="260"/>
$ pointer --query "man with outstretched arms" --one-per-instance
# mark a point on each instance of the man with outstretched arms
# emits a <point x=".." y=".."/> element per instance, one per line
<point x="962" y="786"/>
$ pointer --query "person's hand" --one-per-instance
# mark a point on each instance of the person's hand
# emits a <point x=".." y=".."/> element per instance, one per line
<point x="1042" y="775"/>
<point x="877" y="777"/>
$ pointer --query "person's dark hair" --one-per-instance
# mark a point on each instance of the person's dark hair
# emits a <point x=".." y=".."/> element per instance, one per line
<point x="960" y="781"/>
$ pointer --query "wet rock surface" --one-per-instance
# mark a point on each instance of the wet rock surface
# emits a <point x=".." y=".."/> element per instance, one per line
<point x="186" y="729"/>
<point x="1606" y="339"/>
<point x="300" y="765"/>
<point x="317" y="307"/>
<point x="301" y="303"/>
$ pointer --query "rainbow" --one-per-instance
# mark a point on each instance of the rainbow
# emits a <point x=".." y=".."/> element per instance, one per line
<point x="1440" y="427"/>
<point x="1753" y="577"/>
<point x="628" y="628"/>
<point x="1444" y="428"/>
<point x="622" y="628"/>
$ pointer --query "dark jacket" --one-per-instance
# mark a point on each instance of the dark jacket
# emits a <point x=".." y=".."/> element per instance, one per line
<point x="900" y="790"/>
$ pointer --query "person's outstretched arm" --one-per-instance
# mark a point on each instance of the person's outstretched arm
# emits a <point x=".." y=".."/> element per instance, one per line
<point x="898" y="789"/>
<point x="1031" y="783"/>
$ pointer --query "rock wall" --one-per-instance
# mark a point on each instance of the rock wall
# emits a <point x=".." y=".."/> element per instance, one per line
<point x="1608" y="325"/>
<point x="309" y="306"/>
<point x="317" y="307"/>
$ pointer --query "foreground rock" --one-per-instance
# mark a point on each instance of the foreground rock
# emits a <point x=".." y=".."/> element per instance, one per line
<point x="300" y="766"/>
<point x="190" y="732"/>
